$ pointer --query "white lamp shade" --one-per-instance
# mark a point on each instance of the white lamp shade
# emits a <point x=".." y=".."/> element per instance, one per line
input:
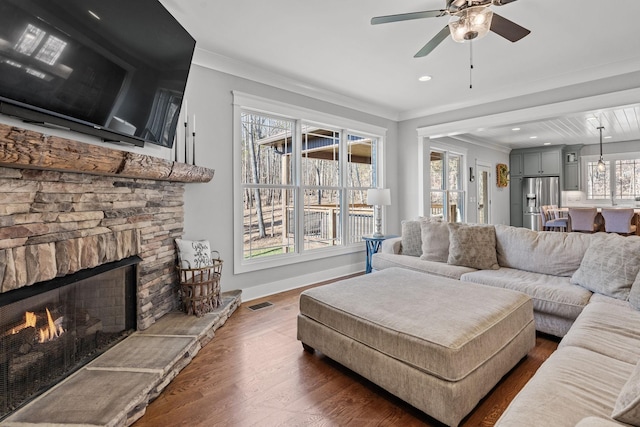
<point x="378" y="196"/>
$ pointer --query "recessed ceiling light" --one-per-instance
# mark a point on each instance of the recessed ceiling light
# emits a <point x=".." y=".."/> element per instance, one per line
<point x="592" y="119"/>
<point x="515" y="129"/>
<point x="547" y="143"/>
<point x="424" y="78"/>
<point x="95" y="15"/>
<point x="608" y="137"/>
<point x="532" y="137"/>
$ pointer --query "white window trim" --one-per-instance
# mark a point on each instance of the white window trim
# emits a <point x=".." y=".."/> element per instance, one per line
<point x="242" y="102"/>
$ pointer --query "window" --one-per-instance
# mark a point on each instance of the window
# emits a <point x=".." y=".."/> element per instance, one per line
<point x="447" y="194"/>
<point x="301" y="185"/>
<point x="620" y="180"/>
<point x="627" y="178"/>
<point x="598" y="183"/>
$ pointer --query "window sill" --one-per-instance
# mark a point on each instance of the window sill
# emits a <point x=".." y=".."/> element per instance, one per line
<point x="246" y="266"/>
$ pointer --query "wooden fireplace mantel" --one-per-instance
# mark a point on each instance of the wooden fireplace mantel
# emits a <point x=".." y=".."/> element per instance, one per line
<point x="21" y="148"/>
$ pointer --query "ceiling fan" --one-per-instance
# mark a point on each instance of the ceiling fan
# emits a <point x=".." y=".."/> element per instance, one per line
<point x="469" y="19"/>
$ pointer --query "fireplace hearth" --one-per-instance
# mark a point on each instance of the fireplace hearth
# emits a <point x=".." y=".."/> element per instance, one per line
<point x="51" y="329"/>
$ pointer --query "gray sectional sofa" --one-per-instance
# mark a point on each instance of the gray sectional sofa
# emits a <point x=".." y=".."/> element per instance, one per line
<point x="585" y="288"/>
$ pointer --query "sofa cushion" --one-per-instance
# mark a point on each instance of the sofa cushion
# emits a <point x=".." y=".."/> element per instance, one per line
<point x="627" y="407"/>
<point x="411" y="238"/>
<point x="609" y="329"/>
<point x="435" y="240"/>
<point x="551" y="294"/>
<point x="573" y="383"/>
<point x="472" y="246"/>
<point x="634" y="293"/>
<point x="392" y="245"/>
<point x="381" y="261"/>
<point x="610" y="265"/>
<point x="597" y="422"/>
<point x="546" y="252"/>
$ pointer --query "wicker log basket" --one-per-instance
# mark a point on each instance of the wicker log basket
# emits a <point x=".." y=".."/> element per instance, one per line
<point x="200" y="287"/>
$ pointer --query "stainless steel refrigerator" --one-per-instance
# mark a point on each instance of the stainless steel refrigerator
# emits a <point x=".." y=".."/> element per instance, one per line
<point x="538" y="192"/>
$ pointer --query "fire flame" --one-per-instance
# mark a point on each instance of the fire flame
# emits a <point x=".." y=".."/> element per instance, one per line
<point x="29" y="322"/>
<point x="50" y="332"/>
<point x="53" y="329"/>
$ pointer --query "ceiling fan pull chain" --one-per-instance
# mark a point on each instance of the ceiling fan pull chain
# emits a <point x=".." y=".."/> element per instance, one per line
<point x="470" y="64"/>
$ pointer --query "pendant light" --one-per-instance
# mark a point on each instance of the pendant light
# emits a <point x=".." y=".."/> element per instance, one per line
<point x="601" y="166"/>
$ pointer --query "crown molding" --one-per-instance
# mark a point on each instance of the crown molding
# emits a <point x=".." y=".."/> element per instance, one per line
<point x="224" y="64"/>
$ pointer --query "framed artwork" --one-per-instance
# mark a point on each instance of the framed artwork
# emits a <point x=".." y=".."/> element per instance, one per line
<point x="502" y="175"/>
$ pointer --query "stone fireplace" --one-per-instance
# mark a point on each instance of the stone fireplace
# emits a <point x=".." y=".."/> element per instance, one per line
<point x="69" y="208"/>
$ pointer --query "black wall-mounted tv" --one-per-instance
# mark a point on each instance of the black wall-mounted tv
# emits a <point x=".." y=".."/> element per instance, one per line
<point x="116" y="69"/>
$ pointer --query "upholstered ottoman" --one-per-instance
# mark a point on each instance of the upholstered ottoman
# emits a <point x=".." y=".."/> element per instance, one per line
<point x="437" y="343"/>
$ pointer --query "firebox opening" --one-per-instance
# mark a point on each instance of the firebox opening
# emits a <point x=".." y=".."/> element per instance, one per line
<point x="51" y="329"/>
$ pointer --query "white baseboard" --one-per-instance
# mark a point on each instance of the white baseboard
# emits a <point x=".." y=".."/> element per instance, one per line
<point x="267" y="289"/>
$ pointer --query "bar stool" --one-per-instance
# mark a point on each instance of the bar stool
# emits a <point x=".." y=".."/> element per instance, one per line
<point x="583" y="219"/>
<point x="551" y="222"/>
<point x="618" y="221"/>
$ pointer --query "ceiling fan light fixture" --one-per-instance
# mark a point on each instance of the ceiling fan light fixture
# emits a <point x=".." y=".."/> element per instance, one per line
<point x="470" y="23"/>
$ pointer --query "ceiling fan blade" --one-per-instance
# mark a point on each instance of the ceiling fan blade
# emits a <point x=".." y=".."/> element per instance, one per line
<point x="502" y="2"/>
<point x="407" y="16"/>
<point x="433" y="43"/>
<point x="507" y="29"/>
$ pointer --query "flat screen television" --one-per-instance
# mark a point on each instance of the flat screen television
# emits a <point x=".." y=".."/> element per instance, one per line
<point x="115" y="69"/>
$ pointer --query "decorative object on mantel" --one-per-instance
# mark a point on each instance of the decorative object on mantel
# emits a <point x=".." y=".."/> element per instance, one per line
<point x="199" y="273"/>
<point x="21" y="148"/>
<point x="502" y="175"/>
<point x="193" y="134"/>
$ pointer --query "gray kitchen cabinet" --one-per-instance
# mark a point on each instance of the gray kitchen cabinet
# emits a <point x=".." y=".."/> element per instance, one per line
<point x="515" y="195"/>
<point x="541" y="163"/>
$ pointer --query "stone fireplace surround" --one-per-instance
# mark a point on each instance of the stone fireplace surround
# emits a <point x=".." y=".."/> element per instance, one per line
<point x="66" y="206"/>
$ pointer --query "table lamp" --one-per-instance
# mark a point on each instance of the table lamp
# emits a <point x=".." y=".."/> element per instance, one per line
<point x="378" y="197"/>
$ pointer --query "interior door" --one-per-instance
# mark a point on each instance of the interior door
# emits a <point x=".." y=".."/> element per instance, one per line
<point x="484" y="194"/>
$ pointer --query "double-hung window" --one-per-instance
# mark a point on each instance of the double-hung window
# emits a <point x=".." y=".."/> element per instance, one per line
<point x="300" y="183"/>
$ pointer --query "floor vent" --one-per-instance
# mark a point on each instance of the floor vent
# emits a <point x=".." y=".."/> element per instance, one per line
<point x="259" y="306"/>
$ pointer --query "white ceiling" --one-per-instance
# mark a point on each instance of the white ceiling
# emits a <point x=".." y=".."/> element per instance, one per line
<point x="329" y="47"/>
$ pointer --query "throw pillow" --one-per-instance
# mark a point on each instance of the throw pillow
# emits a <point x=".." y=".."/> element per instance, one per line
<point x="435" y="240"/>
<point x="634" y="294"/>
<point x="473" y="246"/>
<point x="194" y="253"/>
<point x="411" y="238"/>
<point x="627" y="407"/>
<point x="610" y="265"/>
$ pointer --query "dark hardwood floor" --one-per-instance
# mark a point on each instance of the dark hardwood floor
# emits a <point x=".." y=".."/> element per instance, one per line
<point x="255" y="373"/>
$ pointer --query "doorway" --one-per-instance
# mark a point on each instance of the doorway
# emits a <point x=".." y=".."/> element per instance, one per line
<point x="484" y="193"/>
